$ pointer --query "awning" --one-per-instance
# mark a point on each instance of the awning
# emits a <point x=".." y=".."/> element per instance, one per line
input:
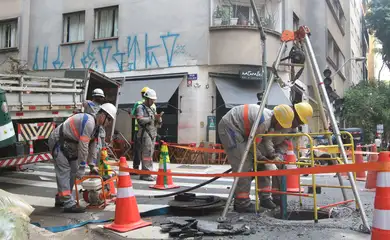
<point x="165" y="88"/>
<point x="238" y="92"/>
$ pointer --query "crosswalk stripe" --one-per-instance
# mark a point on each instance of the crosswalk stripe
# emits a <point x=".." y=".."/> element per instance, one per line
<point x="36" y="201"/>
<point x="138" y="192"/>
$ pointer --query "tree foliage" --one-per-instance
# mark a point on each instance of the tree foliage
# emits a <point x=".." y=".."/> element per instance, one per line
<point x="378" y="21"/>
<point x="366" y="105"/>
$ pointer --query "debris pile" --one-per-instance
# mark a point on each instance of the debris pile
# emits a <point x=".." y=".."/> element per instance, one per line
<point x="188" y="227"/>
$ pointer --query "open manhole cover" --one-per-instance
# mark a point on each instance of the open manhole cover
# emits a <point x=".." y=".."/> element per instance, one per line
<point x="304" y="215"/>
<point x="193" y="167"/>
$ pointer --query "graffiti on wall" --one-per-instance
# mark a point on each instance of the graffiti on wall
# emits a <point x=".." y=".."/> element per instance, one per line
<point x="136" y="54"/>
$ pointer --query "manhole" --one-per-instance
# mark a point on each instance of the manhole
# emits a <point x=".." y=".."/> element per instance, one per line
<point x="303" y="215"/>
<point x="192" y="167"/>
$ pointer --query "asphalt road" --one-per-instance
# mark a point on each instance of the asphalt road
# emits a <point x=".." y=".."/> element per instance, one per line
<point x="38" y="186"/>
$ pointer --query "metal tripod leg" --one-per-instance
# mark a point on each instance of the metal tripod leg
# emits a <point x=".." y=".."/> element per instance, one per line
<point x="324" y="121"/>
<point x="252" y="133"/>
<point x="336" y="128"/>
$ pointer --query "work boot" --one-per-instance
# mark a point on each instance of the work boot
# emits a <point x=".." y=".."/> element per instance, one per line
<point x="251" y="208"/>
<point x="74" y="209"/>
<point x="277" y="200"/>
<point x="135" y="168"/>
<point x="147" y="178"/>
<point x="58" y="202"/>
<point x="267" y="203"/>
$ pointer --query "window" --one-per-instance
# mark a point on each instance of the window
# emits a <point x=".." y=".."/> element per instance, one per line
<point x="8" y="34"/>
<point x="74" y="27"/>
<point x="106" y="22"/>
<point x="295" y="22"/>
<point x="330" y="46"/>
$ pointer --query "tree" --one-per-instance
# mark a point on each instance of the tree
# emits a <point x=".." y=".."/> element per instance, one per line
<point x="378" y="21"/>
<point x="365" y="106"/>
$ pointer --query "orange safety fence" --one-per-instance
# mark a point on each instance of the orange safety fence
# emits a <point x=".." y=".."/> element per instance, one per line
<point x="183" y="153"/>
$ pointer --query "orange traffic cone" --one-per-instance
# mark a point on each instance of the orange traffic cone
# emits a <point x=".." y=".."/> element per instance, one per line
<point x="360" y="176"/>
<point x="371" y="175"/>
<point x="292" y="180"/>
<point x="127" y="216"/>
<point x="164" y="182"/>
<point x="380" y="222"/>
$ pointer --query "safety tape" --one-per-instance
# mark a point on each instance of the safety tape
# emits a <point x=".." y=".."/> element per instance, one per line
<point x="356" y="167"/>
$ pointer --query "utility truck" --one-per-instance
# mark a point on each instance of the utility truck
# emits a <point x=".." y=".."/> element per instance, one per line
<point x="36" y="102"/>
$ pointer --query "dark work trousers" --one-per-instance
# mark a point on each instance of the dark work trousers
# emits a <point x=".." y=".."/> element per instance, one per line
<point x="136" y="152"/>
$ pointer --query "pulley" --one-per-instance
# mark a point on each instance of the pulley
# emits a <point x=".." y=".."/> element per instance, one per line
<point x="297" y="56"/>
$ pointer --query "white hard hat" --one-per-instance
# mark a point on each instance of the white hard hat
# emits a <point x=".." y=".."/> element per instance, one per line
<point x="151" y="94"/>
<point x="109" y="109"/>
<point x="97" y="93"/>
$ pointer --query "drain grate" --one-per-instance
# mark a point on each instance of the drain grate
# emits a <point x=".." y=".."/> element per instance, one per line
<point x="193" y="167"/>
<point x="304" y="215"/>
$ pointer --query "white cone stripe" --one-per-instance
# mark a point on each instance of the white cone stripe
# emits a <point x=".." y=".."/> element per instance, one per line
<point x="125" y="192"/>
<point x="381" y="219"/>
<point x="290" y="152"/>
<point x="291" y="166"/>
<point x="123" y="174"/>
<point x="161" y="166"/>
<point x="383" y="179"/>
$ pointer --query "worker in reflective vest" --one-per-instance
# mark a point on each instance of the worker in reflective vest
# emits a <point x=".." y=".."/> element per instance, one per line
<point x="149" y="121"/>
<point x="303" y="112"/>
<point x="136" y="148"/>
<point x="234" y="129"/>
<point x="70" y="143"/>
<point x="93" y="107"/>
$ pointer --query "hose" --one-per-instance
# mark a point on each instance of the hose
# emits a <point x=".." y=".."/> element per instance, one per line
<point x="188" y="189"/>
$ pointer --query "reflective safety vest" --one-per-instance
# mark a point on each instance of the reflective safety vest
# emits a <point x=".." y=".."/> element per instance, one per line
<point x="247" y="124"/>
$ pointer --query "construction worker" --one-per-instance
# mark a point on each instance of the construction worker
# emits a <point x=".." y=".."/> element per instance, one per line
<point x="148" y="121"/>
<point x="93" y="107"/>
<point x="136" y="148"/>
<point x="276" y="151"/>
<point x="234" y="129"/>
<point x="74" y="141"/>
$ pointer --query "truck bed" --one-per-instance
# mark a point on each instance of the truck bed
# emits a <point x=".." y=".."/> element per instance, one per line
<point x="32" y="97"/>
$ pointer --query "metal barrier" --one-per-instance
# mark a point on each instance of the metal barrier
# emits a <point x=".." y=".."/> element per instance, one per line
<point x="312" y="163"/>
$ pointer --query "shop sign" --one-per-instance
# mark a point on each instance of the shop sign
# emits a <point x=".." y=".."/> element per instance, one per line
<point x="251" y="75"/>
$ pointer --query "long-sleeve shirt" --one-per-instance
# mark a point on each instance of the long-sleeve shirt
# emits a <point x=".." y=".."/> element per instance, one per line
<point x="242" y="119"/>
<point x="81" y="128"/>
<point x="134" y="111"/>
<point x="146" y="120"/>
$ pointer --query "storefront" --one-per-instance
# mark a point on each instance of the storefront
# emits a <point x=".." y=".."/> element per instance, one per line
<point x="168" y="100"/>
<point x="243" y="88"/>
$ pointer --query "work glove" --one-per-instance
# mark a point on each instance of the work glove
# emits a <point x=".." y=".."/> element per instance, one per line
<point x="93" y="170"/>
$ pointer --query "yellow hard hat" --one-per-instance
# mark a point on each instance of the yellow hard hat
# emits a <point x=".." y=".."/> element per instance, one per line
<point x="284" y="114"/>
<point x="304" y="111"/>
<point x="144" y="89"/>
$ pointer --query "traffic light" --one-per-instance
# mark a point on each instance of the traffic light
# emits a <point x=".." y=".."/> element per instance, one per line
<point x="328" y="81"/>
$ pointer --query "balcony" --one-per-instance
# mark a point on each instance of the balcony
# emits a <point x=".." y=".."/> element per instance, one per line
<point x="234" y="36"/>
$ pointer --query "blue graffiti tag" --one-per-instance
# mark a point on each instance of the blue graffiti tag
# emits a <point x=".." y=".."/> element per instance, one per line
<point x="101" y="53"/>
<point x="36" y="65"/>
<point x="120" y="55"/>
<point x="88" y="57"/>
<point x="57" y="64"/>
<point x="132" y="48"/>
<point x="149" y="54"/>
<point x="169" y="54"/>
<point x="73" y="50"/>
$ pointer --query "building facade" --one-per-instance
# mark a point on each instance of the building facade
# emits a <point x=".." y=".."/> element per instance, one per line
<point x="201" y="60"/>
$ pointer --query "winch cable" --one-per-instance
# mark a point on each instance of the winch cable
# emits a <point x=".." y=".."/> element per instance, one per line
<point x="188" y="189"/>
